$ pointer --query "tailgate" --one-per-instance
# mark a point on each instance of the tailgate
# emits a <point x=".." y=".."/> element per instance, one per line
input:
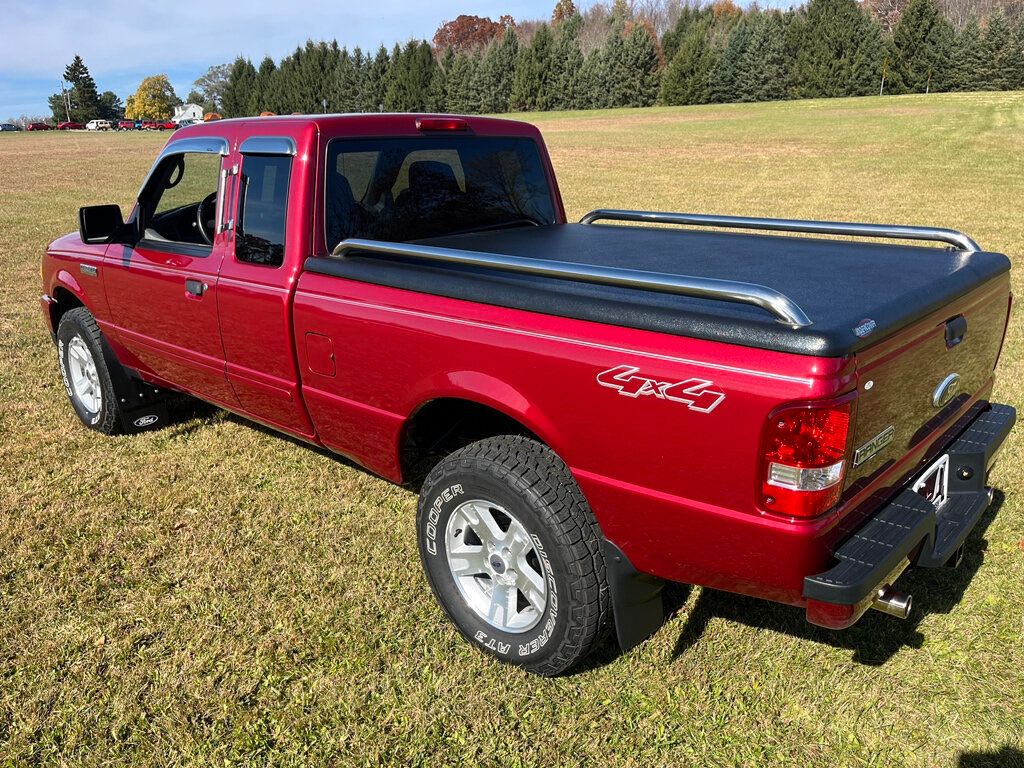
<point x="914" y="384"/>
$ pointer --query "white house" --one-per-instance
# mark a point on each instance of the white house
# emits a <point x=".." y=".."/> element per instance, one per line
<point x="187" y="112"/>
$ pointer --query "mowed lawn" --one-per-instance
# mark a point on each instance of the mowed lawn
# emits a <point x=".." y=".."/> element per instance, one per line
<point x="213" y="594"/>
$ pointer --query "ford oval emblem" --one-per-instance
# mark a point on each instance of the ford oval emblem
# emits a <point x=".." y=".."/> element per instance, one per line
<point x="946" y="391"/>
<point x="145" y="421"/>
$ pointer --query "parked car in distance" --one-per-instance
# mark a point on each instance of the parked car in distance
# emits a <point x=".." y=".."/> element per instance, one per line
<point x="70" y="126"/>
<point x="148" y="125"/>
<point x="98" y="125"/>
<point x="187" y="122"/>
<point x="38" y="127"/>
<point x="125" y="125"/>
<point x="588" y="410"/>
<point x="167" y="125"/>
<point x="9" y="128"/>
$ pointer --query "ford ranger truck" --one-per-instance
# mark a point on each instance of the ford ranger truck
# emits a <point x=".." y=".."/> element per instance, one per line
<point x="588" y="409"/>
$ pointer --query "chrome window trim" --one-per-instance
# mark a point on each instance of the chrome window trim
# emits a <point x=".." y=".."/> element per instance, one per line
<point x="269" y="145"/>
<point x="209" y="145"/>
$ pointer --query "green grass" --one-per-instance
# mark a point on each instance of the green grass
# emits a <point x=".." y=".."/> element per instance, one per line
<point x="213" y="594"/>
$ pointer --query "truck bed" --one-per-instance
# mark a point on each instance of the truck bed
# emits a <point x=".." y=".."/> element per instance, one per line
<point x="839" y="284"/>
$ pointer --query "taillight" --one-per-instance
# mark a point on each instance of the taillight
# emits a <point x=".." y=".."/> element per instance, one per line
<point x="805" y="449"/>
<point x="441" y="124"/>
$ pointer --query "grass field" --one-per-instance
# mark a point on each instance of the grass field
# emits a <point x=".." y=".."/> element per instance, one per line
<point x="212" y="594"/>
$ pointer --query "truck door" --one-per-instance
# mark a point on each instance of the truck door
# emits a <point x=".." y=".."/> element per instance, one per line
<point x="162" y="288"/>
<point x="268" y="240"/>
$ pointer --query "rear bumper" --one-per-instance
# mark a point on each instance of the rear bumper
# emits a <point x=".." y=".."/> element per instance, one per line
<point x="908" y="530"/>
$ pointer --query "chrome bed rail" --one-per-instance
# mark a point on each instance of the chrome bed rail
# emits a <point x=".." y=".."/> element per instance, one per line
<point x="784" y="309"/>
<point x="958" y="240"/>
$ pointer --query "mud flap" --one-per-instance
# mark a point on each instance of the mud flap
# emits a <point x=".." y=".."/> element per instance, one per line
<point x="143" y="406"/>
<point x="636" y="598"/>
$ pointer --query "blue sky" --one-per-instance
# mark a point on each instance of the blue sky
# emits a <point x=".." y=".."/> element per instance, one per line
<point x="123" y="41"/>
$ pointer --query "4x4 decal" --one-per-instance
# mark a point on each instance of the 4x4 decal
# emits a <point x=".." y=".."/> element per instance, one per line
<point x="694" y="393"/>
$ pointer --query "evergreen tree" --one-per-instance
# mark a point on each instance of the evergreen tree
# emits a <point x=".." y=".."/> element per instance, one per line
<point x="239" y="88"/>
<point x="1017" y="69"/>
<point x="724" y="79"/>
<point x="376" y="81"/>
<point x="496" y="71"/>
<point x="345" y="90"/>
<point x="690" y="16"/>
<point x="922" y="46"/>
<point x="532" y="88"/>
<point x="591" y="92"/>
<point x="618" y="79"/>
<point x="762" y="74"/>
<point x="459" y="95"/>
<point x="110" y="106"/>
<point x="567" y="60"/>
<point x="411" y="79"/>
<point x="842" y="51"/>
<point x="84" y="99"/>
<point x="1000" y="74"/>
<point x="263" y="86"/>
<point x="687" y="80"/>
<point x="641" y="59"/>
<point x="970" y="58"/>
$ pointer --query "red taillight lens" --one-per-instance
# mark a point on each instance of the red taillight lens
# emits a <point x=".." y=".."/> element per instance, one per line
<point x="804" y="458"/>
<point x="441" y="124"/>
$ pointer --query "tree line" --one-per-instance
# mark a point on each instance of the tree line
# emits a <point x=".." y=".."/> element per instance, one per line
<point x="711" y="53"/>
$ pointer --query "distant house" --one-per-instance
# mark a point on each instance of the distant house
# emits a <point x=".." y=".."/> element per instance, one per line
<point x="187" y="112"/>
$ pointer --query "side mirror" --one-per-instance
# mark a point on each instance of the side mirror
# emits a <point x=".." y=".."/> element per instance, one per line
<point x="99" y="223"/>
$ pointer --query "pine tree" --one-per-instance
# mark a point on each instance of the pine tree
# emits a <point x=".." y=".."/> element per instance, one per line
<point x="641" y="59"/>
<point x="532" y="88"/>
<point x="591" y="92"/>
<point x="842" y="51"/>
<point x="567" y="60"/>
<point x="922" y="46"/>
<point x="410" y="79"/>
<point x="618" y="79"/>
<point x="1000" y="73"/>
<point x="459" y="94"/>
<point x="762" y="73"/>
<point x="238" y="92"/>
<point x="81" y="91"/>
<point x="689" y="17"/>
<point x="376" y="81"/>
<point x="970" y="58"/>
<point x="724" y="79"/>
<point x="1017" y="69"/>
<point x="687" y="80"/>
<point x="263" y="84"/>
<point x="345" y="91"/>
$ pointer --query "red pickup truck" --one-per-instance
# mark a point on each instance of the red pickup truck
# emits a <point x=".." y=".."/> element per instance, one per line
<point x="587" y="409"/>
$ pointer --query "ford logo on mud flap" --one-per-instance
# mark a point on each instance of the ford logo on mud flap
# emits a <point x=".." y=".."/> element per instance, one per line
<point x="145" y="421"/>
<point x="947" y="390"/>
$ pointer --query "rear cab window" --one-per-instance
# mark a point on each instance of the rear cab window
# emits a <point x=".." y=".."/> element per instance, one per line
<point x="263" y="209"/>
<point x="405" y="189"/>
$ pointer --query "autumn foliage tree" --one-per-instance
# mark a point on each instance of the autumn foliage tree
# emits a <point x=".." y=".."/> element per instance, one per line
<point x="154" y="100"/>
<point x="467" y="34"/>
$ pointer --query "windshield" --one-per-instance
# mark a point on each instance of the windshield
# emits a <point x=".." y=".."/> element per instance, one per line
<point x="414" y="188"/>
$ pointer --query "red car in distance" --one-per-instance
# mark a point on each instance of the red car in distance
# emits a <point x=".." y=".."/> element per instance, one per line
<point x="125" y="125"/>
<point x="70" y="126"/>
<point x="38" y="127"/>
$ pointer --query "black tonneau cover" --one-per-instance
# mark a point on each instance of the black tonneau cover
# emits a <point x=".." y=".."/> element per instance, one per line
<point x="838" y="283"/>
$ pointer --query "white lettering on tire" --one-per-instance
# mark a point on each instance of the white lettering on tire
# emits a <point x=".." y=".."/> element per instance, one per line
<point x="435" y="513"/>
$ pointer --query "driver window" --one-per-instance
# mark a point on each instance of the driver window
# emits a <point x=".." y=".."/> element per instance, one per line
<point x="182" y="207"/>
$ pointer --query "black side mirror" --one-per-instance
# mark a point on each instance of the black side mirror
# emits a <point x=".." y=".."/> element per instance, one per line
<point x="99" y="223"/>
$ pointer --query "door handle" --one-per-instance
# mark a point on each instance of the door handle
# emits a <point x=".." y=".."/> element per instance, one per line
<point x="195" y="287"/>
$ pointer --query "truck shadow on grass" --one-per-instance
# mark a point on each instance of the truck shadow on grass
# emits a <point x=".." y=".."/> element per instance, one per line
<point x="875" y="638"/>
<point x="1004" y="757"/>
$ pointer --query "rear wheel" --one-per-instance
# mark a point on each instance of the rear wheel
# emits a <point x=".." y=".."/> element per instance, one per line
<point x="512" y="552"/>
<point x="85" y="373"/>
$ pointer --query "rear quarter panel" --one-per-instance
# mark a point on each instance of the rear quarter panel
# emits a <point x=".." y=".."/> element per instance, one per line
<point x="675" y="487"/>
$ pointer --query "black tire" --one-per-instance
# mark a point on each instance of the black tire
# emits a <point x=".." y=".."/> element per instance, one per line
<point x="536" y="488"/>
<point x="79" y="324"/>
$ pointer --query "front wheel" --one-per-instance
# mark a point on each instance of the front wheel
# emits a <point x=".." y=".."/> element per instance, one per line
<point x="85" y="373"/>
<point x="512" y="551"/>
